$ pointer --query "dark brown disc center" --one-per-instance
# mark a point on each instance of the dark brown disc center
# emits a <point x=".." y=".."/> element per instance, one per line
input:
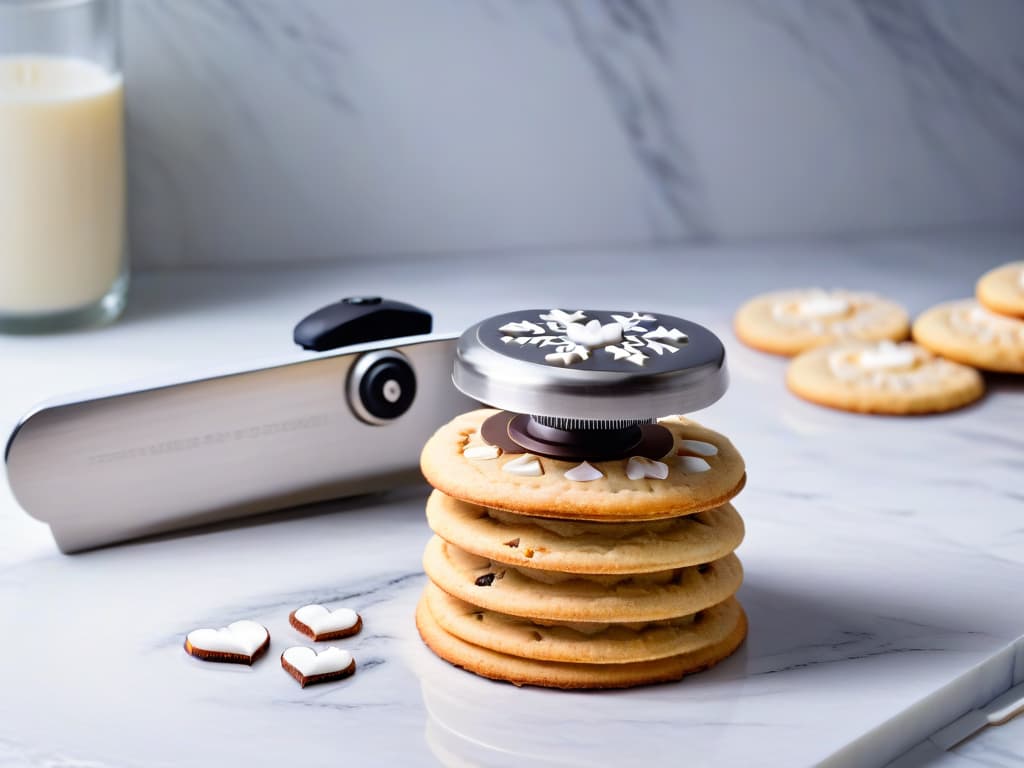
<point x="521" y="433"/>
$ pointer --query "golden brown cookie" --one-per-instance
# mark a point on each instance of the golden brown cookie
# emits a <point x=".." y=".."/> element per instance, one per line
<point x="790" y="322"/>
<point x="554" y="674"/>
<point x="583" y="642"/>
<point x="552" y="596"/>
<point x="967" y="332"/>
<point x="585" y="547"/>
<point x="1002" y="289"/>
<point x="701" y="471"/>
<point x="883" y="377"/>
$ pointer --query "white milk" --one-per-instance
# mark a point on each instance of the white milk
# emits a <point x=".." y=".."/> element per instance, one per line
<point x="61" y="183"/>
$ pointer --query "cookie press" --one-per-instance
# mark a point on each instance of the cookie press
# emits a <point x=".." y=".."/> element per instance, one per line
<point x="588" y="384"/>
<point x="347" y="416"/>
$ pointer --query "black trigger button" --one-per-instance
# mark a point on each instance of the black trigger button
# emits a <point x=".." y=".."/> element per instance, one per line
<point x="359" y="319"/>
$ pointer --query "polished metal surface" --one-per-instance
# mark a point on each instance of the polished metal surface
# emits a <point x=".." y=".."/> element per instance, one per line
<point x="362" y="366"/>
<point x="591" y="365"/>
<point x="121" y="465"/>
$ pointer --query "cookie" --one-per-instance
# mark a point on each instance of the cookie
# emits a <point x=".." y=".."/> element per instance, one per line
<point x="1002" y="289"/>
<point x="790" y="322"/>
<point x="537" y="594"/>
<point x="882" y="377"/>
<point x="319" y="623"/>
<point x="309" y="667"/>
<point x="701" y="470"/>
<point x="554" y="674"/>
<point x="588" y="642"/>
<point x="969" y="333"/>
<point x="241" y="642"/>
<point x="585" y="547"/>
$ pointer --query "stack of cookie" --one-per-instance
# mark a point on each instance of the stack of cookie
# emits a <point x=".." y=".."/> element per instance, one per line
<point x="581" y="574"/>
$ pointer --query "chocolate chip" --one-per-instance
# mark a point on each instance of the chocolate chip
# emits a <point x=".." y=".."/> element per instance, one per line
<point x="512" y="543"/>
<point x="486" y="580"/>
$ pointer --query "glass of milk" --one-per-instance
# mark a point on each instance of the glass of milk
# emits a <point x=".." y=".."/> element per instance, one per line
<point x="63" y="256"/>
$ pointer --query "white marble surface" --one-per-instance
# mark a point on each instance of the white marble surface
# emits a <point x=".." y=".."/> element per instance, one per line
<point x="884" y="557"/>
<point x="268" y="131"/>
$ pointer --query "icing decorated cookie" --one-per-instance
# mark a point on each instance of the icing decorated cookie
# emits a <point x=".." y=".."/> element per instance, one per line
<point x="319" y="623"/>
<point x="585" y="547"/>
<point x="581" y="642"/>
<point x="790" y="322"/>
<point x="310" y="667"/>
<point x="241" y="642"/>
<point x="1002" y="289"/>
<point x="559" y="674"/>
<point x="969" y="333"/>
<point x="882" y="377"/>
<point x="557" y="596"/>
<point x="628" y="488"/>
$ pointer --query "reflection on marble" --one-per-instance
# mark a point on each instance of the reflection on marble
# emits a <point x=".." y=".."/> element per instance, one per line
<point x="1001" y="746"/>
<point x="263" y="131"/>
<point x="883" y="556"/>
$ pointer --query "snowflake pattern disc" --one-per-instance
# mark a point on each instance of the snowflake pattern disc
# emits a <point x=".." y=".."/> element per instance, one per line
<point x="574" y="337"/>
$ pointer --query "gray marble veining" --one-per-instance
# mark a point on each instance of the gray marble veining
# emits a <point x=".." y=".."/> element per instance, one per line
<point x="883" y="557"/>
<point x="270" y="132"/>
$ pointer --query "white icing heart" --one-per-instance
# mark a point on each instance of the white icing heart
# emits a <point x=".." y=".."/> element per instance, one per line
<point x="310" y="663"/>
<point x="481" y="452"/>
<point x="887" y="356"/>
<point x="693" y="464"/>
<point x="526" y="465"/>
<point x="593" y="334"/>
<point x="639" y="467"/>
<point x="322" y="621"/>
<point x="243" y="638"/>
<point x="583" y="473"/>
<point x="699" y="447"/>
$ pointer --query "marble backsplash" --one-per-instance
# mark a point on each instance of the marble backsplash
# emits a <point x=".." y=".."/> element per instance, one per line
<point x="264" y="131"/>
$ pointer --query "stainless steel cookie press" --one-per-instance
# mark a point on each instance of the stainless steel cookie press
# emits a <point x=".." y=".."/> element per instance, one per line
<point x="588" y="384"/>
<point x="345" y="417"/>
<point x="350" y="416"/>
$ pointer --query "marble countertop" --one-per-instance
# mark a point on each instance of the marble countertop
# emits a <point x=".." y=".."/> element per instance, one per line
<point x="884" y="557"/>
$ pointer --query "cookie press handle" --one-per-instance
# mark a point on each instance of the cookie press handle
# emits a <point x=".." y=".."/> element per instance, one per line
<point x="360" y="319"/>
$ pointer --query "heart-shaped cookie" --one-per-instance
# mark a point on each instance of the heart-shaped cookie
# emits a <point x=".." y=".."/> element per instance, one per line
<point x="320" y="623"/>
<point x="309" y="667"/>
<point x="241" y="642"/>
